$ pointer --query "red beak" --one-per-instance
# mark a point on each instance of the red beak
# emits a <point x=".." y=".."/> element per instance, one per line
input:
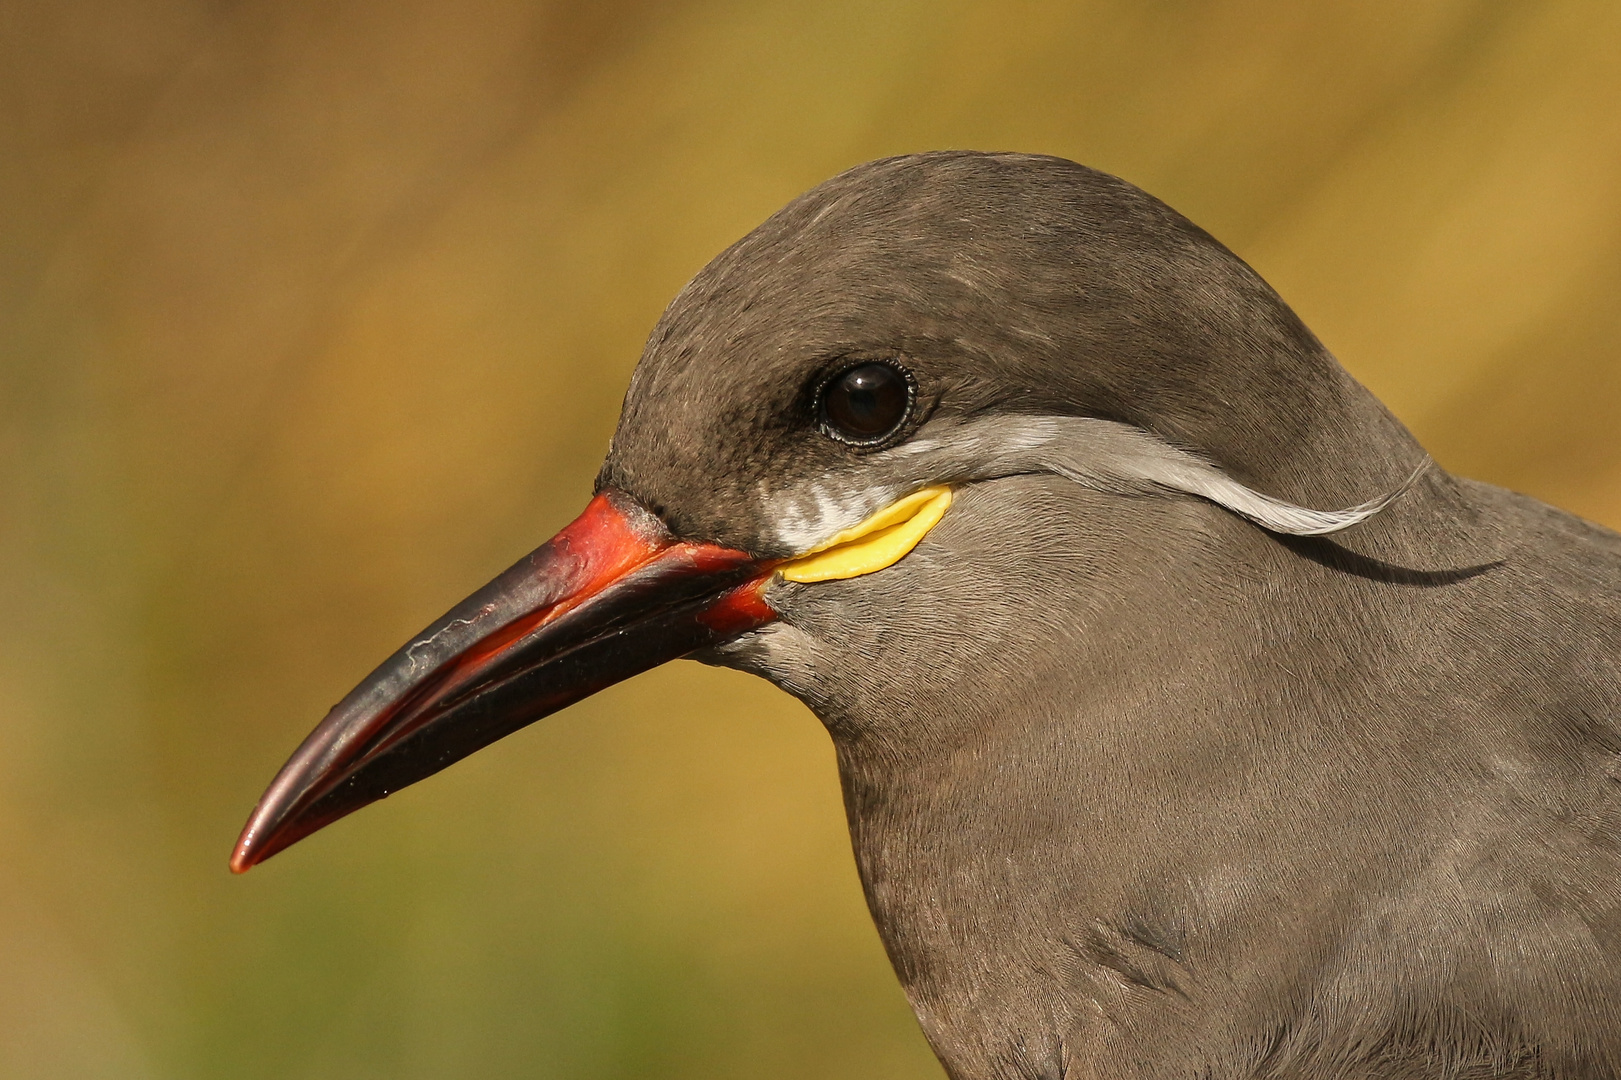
<point x="612" y="595"/>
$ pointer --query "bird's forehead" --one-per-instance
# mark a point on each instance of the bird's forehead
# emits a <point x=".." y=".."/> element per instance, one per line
<point x="727" y="449"/>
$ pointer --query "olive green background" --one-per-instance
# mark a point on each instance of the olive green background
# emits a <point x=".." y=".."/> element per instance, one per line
<point x="315" y="314"/>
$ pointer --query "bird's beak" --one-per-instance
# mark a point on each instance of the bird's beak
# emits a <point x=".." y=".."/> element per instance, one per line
<point x="611" y="595"/>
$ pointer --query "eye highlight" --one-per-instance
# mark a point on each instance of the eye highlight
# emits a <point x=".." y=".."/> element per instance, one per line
<point x="867" y="403"/>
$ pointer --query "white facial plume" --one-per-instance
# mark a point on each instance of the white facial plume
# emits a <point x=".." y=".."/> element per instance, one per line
<point x="1100" y="454"/>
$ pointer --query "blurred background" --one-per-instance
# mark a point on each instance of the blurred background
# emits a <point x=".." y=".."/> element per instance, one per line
<point x="314" y="314"/>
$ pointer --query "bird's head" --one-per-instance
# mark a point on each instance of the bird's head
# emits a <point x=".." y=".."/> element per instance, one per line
<point x="866" y="366"/>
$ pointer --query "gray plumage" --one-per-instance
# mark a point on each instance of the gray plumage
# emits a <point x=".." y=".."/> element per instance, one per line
<point x="1137" y="788"/>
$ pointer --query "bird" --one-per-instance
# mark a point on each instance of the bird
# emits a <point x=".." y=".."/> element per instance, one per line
<point x="1190" y="719"/>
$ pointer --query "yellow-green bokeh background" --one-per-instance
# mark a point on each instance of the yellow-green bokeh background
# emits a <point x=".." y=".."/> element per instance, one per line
<point x="314" y="314"/>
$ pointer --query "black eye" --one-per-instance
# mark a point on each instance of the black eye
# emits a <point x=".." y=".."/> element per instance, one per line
<point x="866" y="403"/>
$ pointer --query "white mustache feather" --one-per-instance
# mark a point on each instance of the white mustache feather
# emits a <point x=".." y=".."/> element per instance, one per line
<point x="1108" y="455"/>
<point x="1099" y="454"/>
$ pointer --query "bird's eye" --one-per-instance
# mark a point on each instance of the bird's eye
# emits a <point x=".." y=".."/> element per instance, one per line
<point x="865" y="404"/>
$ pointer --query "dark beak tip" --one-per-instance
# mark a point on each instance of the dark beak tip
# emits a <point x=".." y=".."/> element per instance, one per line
<point x="273" y="827"/>
<point x="249" y="850"/>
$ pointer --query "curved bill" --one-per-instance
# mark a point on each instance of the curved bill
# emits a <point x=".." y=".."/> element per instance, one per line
<point x="611" y="595"/>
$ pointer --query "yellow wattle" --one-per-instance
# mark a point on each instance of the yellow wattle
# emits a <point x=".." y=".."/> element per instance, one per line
<point x="880" y="541"/>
